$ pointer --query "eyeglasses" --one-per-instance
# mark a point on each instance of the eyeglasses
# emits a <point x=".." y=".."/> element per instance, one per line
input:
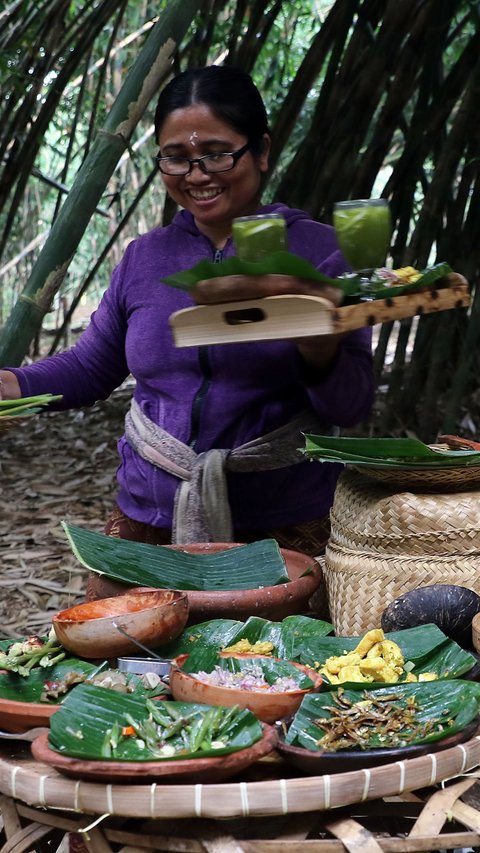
<point x="210" y="163"/>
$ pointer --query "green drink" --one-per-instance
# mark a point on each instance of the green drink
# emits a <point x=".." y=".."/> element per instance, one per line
<point x="256" y="237"/>
<point x="363" y="229"/>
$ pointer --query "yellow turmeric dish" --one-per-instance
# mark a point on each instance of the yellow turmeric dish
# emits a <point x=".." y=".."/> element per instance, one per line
<point x="246" y="647"/>
<point x="374" y="659"/>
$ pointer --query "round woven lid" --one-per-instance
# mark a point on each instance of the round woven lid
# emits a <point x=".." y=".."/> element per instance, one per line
<point x="360" y="584"/>
<point x="376" y="517"/>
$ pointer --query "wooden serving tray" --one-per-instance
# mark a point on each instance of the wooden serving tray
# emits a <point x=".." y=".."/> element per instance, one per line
<point x="294" y="316"/>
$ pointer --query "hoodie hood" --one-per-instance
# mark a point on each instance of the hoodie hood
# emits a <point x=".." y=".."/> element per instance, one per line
<point x="184" y="219"/>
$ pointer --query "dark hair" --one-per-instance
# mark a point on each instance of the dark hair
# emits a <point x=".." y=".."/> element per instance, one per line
<point x="230" y="93"/>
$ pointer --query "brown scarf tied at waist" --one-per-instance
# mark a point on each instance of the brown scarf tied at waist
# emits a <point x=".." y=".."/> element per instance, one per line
<point x="202" y="511"/>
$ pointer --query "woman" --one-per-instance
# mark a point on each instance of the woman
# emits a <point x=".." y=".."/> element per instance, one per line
<point x="183" y="461"/>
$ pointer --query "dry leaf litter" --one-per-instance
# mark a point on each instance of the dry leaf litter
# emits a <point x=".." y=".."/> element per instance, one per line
<point x="54" y="466"/>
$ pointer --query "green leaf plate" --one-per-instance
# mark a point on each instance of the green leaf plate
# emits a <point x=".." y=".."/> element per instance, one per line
<point x="426" y="647"/>
<point x="452" y="705"/>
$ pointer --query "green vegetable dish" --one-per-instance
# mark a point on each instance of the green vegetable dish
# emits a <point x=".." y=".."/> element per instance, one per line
<point x="94" y="723"/>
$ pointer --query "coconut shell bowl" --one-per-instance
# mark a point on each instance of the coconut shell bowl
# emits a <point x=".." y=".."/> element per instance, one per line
<point x="103" y="628"/>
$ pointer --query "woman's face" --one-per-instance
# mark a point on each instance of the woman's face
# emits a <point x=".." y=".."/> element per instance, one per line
<point x="214" y="200"/>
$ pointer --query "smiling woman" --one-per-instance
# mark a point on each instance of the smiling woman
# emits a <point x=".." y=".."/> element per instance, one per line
<point x="212" y="450"/>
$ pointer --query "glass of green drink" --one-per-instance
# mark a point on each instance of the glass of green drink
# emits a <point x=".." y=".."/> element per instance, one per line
<point x="256" y="237"/>
<point x="363" y="229"/>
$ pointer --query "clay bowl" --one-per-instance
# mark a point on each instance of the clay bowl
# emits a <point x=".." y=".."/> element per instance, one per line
<point x="152" y="617"/>
<point x="190" y="770"/>
<point x="267" y="707"/>
<point x="23" y="716"/>
<point x="344" y="761"/>
<point x="269" y="602"/>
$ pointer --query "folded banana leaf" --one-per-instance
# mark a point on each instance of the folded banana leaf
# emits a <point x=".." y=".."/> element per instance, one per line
<point x="449" y="706"/>
<point x="426" y="647"/>
<point x="94" y="723"/>
<point x="401" y="453"/>
<point x="31" y="688"/>
<point x="207" y="660"/>
<point x="251" y="566"/>
<point x="287" y="263"/>
<point x="218" y="634"/>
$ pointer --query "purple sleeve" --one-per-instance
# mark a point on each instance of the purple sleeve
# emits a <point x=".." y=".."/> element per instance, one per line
<point x="344" y="395"/>
<point x="91" y="369"/>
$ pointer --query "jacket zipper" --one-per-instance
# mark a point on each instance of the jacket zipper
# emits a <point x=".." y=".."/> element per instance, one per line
<point x="206" y="371"/>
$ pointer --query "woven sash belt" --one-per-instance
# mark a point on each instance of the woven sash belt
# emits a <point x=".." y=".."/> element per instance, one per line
<point x="201" y="511"/>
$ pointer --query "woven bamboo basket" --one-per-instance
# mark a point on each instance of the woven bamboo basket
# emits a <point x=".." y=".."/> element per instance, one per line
<point x="39" y="785"/>
<point x="360" y="584"/>
<point x="426" y="479"/>
<point x="369" y="516"/>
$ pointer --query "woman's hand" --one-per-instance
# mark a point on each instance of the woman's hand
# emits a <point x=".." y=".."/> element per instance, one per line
<point x="318" y="351"/>
<point x="9" y="387"/>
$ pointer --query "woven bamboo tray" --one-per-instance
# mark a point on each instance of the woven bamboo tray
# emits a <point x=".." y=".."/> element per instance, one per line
<point x="361" y="584"/>
<point x="429" y="820"/>
<point x="368" y="516"/>
<point x="38" y="785"/>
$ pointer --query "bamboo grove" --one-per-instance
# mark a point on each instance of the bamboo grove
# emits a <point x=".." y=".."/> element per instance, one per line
<point x="366" y="97"/>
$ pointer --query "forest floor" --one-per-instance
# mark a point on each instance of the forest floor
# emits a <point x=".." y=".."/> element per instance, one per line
<point x="53" y="467"/>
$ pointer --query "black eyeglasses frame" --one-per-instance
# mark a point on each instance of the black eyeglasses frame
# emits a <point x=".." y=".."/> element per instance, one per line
<point x="199" y="161"/>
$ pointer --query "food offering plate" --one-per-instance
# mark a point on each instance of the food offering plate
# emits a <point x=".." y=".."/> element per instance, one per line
<point x="191" y="770"/>
<point x="314" y="763"/>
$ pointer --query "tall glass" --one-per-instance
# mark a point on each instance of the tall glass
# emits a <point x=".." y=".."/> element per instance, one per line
<point x="363" y="229"/>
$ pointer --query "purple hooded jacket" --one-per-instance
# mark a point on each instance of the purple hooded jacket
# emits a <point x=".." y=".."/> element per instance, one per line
<point x="219" y="396"/>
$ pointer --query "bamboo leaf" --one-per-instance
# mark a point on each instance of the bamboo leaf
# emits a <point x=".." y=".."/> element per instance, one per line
<point x="251" y="566"/>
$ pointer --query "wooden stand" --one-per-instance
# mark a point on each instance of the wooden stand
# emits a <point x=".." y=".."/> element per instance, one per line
<point x="293" y="316"/>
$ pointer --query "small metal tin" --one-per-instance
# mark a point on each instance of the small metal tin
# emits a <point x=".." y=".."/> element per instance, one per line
<point x="142" y="665"/>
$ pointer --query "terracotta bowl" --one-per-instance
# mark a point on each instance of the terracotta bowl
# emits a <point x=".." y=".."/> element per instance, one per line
<point x="267" y="707"/>
<point x="269" y="602"/>
<point x="152" y="617"/>
<point x="190" y="770"/>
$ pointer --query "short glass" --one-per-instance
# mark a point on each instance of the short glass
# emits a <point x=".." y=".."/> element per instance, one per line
<point x="256" y="237"/>
<point x="363" y="229"/>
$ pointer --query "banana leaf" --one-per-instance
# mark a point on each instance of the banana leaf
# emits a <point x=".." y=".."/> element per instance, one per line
<point x="221" y="633"/>
<point x="385" y="452"/>
<point x="251" y="566"/>
<point x="30" y="688"/>
<point x="90" y="722"/>
<point x="287" y="263"/>
<point x="452" y="704"/>
<point x="207" y="660"/>
<point x="426" y="647"/>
